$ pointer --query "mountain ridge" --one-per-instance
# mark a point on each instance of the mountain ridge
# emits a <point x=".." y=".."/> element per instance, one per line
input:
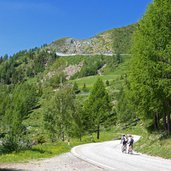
<point x="117" y="40"/>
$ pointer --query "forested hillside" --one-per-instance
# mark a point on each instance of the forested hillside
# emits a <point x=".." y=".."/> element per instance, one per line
<point x="43" y="100"/>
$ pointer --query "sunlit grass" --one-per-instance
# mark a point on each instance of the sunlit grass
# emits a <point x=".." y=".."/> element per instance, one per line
<point x="90" y="81"/>
<point x="37" y="152"/>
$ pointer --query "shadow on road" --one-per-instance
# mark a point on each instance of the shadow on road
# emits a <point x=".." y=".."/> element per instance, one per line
<point x="134" y="154"/>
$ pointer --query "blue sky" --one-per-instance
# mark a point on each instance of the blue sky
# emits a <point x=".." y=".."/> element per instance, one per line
<point x="29" y="23"/>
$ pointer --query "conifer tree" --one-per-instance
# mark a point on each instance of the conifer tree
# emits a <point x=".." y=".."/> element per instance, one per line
<point x="97" y="106"/>
<point x="19" y="103"/>
<point x="150" y="70"/>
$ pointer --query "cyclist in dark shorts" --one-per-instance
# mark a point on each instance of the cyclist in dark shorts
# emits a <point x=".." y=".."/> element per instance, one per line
<point x="124" y="143"/>
<point x="130" y="144"/>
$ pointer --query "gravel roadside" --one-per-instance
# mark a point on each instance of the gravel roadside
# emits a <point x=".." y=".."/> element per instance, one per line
<point x="64" y="162"/>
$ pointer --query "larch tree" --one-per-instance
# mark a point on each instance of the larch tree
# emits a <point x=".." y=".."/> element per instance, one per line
<point x="150" y="71"/>
<point x="97" y="107"/>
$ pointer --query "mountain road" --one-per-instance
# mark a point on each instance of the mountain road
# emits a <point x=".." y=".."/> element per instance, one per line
<point x="105" y="156"/>
<point x="108" y="156"/>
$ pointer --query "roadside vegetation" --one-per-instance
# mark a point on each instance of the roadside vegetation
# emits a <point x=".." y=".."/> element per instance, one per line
<point x="47" y="150"/>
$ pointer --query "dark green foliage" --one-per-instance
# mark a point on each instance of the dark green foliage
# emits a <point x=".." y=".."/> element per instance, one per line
<point x="59" y="113"/>
<point x="90" y="66"/>
<point x="50" y="123"/>
<point x="56" y="80"/>
<point x="10" y="143"/>
<point x="84" y="89"/>
<point x="75" y="88"/>
<point x="114" y="61"/>
<point x="107" y="83"/>
<point x="24" y="64"/>
<point x="122" y="39"/>
<point x="5" y="57"/>
<point x="149" y="78"/>
<point x="125" y="110"/>
<point x="19" y="103"/>
<point x="4" y="90"/>
<point x="118" y="58"/>
<point x="1" y="59"/>
<point x="41" y="139"/>
<point x="97" y="107"/>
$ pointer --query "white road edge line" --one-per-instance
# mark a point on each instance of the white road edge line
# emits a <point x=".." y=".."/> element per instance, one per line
<point x="97" y="164"/>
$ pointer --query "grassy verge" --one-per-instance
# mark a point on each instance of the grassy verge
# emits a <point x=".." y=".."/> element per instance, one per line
<point x="48" y="150"/>
<point x="37" y="152"/>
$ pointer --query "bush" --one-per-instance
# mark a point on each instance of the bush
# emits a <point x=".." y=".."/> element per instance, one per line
<point x="9" y="144"/>
<point x="14" y="143"/>
<point x="41" y="139"/>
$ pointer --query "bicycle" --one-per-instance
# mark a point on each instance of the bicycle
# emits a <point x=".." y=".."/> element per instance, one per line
<point x="124" y="148"/>
<point x="130" y="149"/>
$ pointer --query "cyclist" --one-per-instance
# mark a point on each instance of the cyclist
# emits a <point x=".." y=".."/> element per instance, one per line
<point x="124" y="143"/>
<point x="130" y="144"/>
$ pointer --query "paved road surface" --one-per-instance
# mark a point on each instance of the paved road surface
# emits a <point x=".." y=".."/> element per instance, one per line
<point x="75" y="54"/>
<point x="108" y="156"/>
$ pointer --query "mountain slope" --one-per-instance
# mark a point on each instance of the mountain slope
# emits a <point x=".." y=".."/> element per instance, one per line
<point x="40" y="71"/>
<point x="112" y="41"/>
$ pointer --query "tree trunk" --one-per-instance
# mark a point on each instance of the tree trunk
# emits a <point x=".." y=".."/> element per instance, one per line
<point x="156" y="126"/>
<point x="164" y="122"/>
<point x="63" y="137"/>
<point x="157" y="120"/>
<point x="62" y="120"/>
<point x="80" y="137"/>
<point x="168" y="123"/>
<point x="98" y="131"/>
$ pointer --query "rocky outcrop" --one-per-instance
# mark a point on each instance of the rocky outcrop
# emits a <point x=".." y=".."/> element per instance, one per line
<point x="104" y="43"/>
<point x="72" y="69"/>
<point x="100" y="44"/>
